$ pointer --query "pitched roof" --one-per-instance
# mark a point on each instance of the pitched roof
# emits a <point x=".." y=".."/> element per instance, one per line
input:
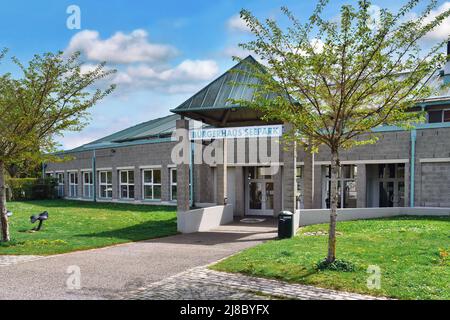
<point x="153" y="131"/>
<point x="218" y="94"/>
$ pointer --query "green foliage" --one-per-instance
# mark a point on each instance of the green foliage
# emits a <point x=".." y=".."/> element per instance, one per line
<point x="31" y="189"/>
<point x="52" y="95"/>
<point x="334" y="80"/>
<point x="409" y="251"/>
<point x="81" y="225"/>
<point x="336" y="265"/>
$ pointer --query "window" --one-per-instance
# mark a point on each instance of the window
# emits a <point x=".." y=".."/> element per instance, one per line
<point x="346" y="187"/>
<point x="73" y="184"/>
<point x="438" y="116"/>
<point x="88" y="185"/>
<point x="173" y="184"/>
<point x="60" y="178"/>
<point x="391" y="185"/>
<point x="151" y="184"/>
<point x="127" y="184"/>
<point x="105" y="184"/>
<point x="446" y="115"/>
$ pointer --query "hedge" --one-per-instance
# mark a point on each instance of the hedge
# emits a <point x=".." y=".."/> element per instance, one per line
<point x="31" y="189"/>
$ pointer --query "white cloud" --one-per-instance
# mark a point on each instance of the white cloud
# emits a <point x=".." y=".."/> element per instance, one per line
<point x="235" y="23"/>
<point x="185" y="77"/>
<point x="120" y="48"/>
<point x="235" y="51"/>
<point x="442" y="32"/>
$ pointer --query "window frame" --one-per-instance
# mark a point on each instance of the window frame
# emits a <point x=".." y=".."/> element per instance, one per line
<point x="127" y="184"/>
<point x="73" y="186"/>
<point x="60" y="177"/>
<point x="108" y="186"/>
<point x="151" y="184"/>
<point x="89" y="186"/>
<point x="341" y="182"/>
<point x="442" y="112"/>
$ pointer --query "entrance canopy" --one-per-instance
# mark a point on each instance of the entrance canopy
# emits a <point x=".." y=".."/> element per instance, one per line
<point x="214" y="103"/>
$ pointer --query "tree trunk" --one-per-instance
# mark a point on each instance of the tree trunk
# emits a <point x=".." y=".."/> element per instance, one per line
<point x="333" y="206"/>
<point x="3" y="215"/>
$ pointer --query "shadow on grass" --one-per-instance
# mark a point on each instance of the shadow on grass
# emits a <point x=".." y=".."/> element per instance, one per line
<point x="101" y="205"/>
<point x="152" y="229"/>
<point x="142" y="231"/>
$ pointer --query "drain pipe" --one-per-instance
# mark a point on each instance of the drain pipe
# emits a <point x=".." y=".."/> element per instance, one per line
<point x="412" y="167"/>
<point x="191" y="174"/>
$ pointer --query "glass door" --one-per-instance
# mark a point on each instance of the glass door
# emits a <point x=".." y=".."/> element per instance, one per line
<point x="260" y="193"/>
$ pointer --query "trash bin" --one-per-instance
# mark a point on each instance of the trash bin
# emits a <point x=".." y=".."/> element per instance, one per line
<point x="285" y="225"/>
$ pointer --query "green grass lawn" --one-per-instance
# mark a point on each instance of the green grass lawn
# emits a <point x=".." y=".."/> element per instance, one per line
<point x="411" y="252"/>
<point x="76" y="225"/>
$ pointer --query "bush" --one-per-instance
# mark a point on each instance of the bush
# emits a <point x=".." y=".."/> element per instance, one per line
<point x="337" y="265"/>
<point x="31" y="189"/>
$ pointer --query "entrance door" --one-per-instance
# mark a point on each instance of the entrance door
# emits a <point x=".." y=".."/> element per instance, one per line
<point x="260" y="192"/>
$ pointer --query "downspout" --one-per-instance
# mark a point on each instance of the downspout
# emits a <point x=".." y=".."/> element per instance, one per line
<point x="412" y="167"/>
<point x="94" y="174"/>
<point x="191" y="175"/>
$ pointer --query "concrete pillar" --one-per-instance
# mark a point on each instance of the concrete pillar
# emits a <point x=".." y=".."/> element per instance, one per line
<point x="138" y="184"/>
<point x="115" y="184"/>
<point x="407" y="182"/>
<point x="165" y="183"/>
<point x="361" y="186"/>
<point x="289" y="173"/>
<point x="308" y="180"/>
<point x="240" y="191"/>
<point x="318" y="183"/>
<point x="278" y="192"/>
<point x="183" y="203"/>
<point x="80" y="184"/>
<point x="221" y="179"/>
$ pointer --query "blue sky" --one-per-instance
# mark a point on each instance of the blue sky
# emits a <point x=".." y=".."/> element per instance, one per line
<point x="167" y="49"/>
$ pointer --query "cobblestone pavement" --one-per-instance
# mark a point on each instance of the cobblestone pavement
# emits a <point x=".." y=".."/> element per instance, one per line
<point x="6" y="261"/>
<point x="203" y="284"/>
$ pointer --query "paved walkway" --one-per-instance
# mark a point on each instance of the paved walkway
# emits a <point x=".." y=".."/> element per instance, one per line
<point x="107" y="273"/>
<point x="203" y="284"/>
<point x="6" y="261"/>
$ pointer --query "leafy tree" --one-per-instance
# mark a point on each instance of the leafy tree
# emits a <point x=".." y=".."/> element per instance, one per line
<point x="334" y="80"/>
<point x="53" y="95"/>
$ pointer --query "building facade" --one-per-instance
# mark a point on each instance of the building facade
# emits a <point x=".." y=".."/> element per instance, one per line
<point x="405" y="168"/>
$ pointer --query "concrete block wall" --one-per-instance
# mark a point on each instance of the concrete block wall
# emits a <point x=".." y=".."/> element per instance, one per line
<point x="158" y="154"/>
<point x="432" y="179"/>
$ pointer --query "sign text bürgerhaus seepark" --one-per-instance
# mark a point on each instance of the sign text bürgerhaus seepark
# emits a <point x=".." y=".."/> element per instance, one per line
<point x="236" y="133"/>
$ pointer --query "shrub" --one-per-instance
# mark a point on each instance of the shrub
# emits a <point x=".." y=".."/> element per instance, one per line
<point x="31" y="188"/>
<point x="337" y="265"/>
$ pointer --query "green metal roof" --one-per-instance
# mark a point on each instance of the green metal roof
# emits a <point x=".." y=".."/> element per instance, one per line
<point x="218" y="94"/>
<point x="153" y="131"/>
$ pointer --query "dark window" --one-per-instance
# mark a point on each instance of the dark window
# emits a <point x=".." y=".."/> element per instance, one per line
<point x="435" y="116"/>
<point x="447" y="116"/>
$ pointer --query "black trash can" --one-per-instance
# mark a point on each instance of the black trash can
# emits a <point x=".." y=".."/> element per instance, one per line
<point x="285" y="225"/>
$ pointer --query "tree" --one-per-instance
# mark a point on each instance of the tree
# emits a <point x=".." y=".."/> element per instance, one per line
<point x="52" y="96"/>
<point x="335" y="80"/>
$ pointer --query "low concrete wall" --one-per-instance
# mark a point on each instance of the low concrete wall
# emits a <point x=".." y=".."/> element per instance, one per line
<point x="317" y="216"/>
<point x="204" y="219"/>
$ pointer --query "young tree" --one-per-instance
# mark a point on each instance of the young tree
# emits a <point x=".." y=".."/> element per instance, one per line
<point x="335" y="80"/>
<point x="52" y="96"/>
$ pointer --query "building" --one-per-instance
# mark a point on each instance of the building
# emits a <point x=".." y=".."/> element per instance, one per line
<point x="403" y="169"/>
